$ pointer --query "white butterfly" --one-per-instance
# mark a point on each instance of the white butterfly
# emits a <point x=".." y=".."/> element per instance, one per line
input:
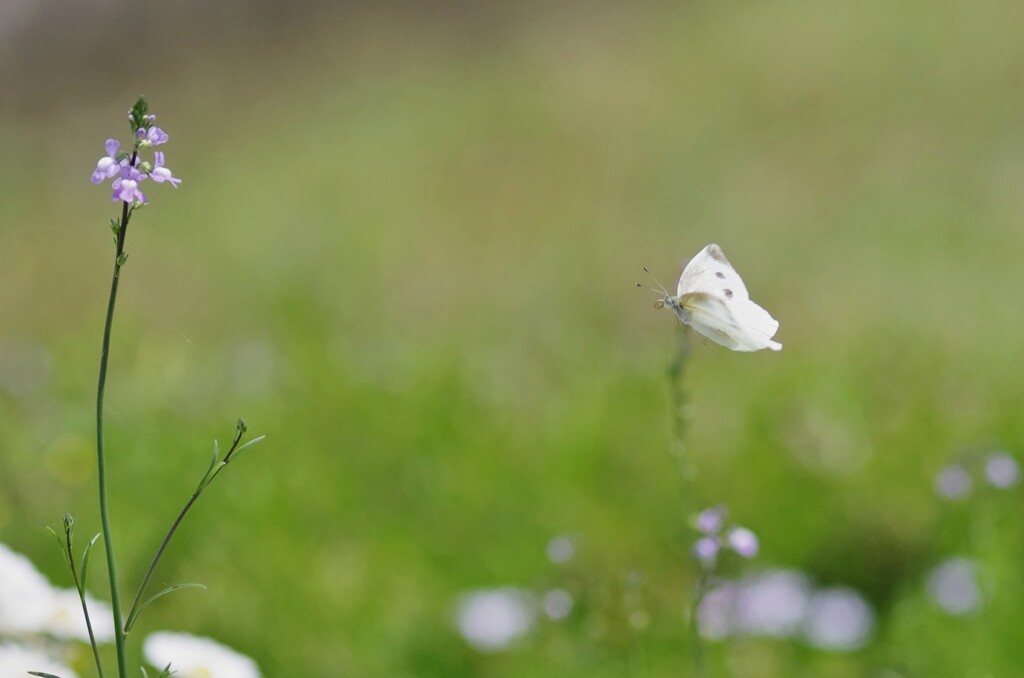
<point x="712" y="299"/>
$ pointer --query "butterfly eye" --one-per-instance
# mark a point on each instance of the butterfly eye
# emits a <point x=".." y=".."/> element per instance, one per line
<point x="659" y="304"/>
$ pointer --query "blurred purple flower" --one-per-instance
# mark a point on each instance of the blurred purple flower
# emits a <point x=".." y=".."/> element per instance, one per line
<point x="561" y="549"/>
<point x="160" y="174"/>
<point x="107" y="167"/>
<point x="743" y="541"/>
<point x="711" y="521"/>
<point x="126" y="187"/>
<point x="557" y="603"/>
<point x="953" y="482"/>
<point x="492" y="619"/>
<point x="838" y="619"/>
<point x="953" y="585"/>
<point x="717" y="612"/>
<point x="1002" y="470"/>
<point x="706" y="550"/>
<point x="770" y="603"/>
<point x="784" y="604"/>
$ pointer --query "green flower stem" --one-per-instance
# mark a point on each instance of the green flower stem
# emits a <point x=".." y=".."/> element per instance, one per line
<point x="677" y="395"/>
<point x="687" y="475"/>
<point x="108" y="541"/>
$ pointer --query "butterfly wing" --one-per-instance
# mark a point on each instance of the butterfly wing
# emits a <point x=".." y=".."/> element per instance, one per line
<point x="740" y="326"/>
<point x="710" y="317"/>
<point x="718" y="305"/>
<point x="710" y="271"/>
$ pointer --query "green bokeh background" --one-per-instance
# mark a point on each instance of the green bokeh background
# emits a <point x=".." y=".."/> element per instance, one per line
<point x="404" y="249"/>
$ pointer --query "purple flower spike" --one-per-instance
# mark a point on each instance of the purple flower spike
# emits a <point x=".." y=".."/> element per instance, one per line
<point x="154" y="136"/>
<point x="126" y="186"/>
<point x="107" y="166"/>
<point x="743" y="542"/>
<point x="160" y="173"/>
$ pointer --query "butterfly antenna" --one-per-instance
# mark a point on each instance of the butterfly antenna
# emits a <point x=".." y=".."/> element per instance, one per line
<point x="661" y="288"/>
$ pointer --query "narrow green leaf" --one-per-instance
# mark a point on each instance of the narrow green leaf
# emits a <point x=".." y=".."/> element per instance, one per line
<point x="170" y="589"/>
<point x="61" y="544"/>
<point x="249" y="444"/>
<point x="56" y="537"/>
<point x="213" y="462"/>
<point x="86" y="553"/>
<point x="42" y="675"/>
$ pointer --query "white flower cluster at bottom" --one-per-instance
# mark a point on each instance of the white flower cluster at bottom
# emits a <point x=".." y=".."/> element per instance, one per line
<point x="42" y="628"/>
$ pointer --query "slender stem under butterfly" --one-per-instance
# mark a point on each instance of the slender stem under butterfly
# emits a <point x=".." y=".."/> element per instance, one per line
<point x="697" y="647"/>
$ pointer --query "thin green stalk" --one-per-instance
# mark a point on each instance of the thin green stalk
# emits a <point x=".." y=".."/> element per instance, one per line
<point x="80" y="586"/>
<point x="687" y="476"/>
<point x="211" y="474"/>
<point x="677" y="390"/>
<point x="108" y="541"/>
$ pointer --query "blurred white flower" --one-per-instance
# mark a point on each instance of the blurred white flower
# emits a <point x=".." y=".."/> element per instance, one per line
<point x="1002" y="470"/>
<point x="196" y="657"/>
<point x="557" y="603"/>
<point x="16" y="660"/>
<point x="953" y="585"/>
<point x="561" y="550"/>
<point x="67" y="621"/>
<point x="838" y="619"/>
<point x="953" y="482"/>
<point x="26" y="597"/>
<point x="491" y="619"/>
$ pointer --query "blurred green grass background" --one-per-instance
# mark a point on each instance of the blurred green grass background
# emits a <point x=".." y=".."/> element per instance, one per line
<point x="404" y="249"/>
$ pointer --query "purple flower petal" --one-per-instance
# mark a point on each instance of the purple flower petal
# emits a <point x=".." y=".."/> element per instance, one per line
<point x="743" y="541"/>
<point x="105" y="168"/>
<point x="710" y="521"/>
<point x="112" y="146"/>
<point x="156" y="136"/>
<point x="706" y="550"/>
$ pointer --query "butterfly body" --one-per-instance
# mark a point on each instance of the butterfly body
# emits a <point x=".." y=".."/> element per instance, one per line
<point x="712" y="299"/>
